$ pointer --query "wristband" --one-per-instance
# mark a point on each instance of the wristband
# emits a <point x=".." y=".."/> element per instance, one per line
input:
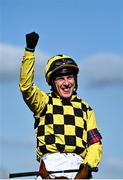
<point x="29" y="49"/>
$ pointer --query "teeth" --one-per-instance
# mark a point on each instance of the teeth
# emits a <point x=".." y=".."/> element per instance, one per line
<point x="66" y="90"/>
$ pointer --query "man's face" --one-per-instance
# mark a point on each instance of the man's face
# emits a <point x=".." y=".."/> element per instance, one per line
<point x="65" y="85"/>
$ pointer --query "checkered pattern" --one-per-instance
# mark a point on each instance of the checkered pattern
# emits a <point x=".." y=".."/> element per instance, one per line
<point x="62" y="127"/>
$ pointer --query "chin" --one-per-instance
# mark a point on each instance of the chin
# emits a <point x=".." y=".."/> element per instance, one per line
<point x="66" y="96"/>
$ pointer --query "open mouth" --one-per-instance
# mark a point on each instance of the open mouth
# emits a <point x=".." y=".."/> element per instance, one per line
<point x="66" y="90"/>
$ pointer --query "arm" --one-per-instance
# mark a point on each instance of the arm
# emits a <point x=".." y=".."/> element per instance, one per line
<point x="94" y="150"/>
<point x="33" y="96"/>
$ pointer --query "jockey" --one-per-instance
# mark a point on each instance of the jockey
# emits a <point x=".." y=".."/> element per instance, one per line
<point x="68" y="138"/>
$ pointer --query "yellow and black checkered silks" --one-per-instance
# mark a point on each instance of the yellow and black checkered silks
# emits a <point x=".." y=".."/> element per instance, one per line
<point x="62" y="126"/>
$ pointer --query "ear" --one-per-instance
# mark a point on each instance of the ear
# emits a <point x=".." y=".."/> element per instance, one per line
<point x="53" y="86"/>
<point x="76" y="83"/>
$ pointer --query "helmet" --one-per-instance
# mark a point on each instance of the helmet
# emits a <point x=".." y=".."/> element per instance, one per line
<point x="60" y="65"/>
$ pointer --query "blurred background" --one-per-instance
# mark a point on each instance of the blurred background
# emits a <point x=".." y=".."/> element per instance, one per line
<point x="91" y="31"/>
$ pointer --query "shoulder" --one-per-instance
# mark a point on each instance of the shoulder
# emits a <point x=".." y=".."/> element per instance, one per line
<point x="85" y="104"/>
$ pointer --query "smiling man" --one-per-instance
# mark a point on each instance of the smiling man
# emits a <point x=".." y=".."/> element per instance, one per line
<point x="68" y="139"/>
<point x="65" y="85"/>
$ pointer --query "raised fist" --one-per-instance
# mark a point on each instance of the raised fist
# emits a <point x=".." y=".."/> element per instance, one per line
<point x="31" y="40"/>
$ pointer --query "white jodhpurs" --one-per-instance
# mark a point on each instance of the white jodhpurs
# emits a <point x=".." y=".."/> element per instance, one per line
<point x="60" y="162"/>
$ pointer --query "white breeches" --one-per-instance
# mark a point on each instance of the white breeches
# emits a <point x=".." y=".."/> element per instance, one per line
<point x="60" y="162"/>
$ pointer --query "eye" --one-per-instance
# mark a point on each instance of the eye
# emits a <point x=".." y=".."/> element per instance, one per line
<point x="59" y="78"/>
<point x="70" y="77"/>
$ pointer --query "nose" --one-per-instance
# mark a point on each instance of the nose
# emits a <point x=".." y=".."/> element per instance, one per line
<point x="66" y="81"/>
